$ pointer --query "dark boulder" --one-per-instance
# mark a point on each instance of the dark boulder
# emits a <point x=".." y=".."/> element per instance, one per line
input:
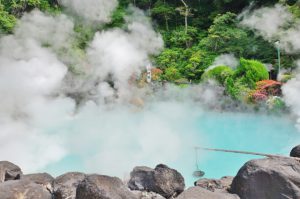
<point x="65" y="185"/>
<point x="103" y="187"/>
<point x="9" y="171"/>
<point x="201" y="193"/>
<point x="213" y="185"/>
<point x="162" y="180"/>
<point x="270" y="178"/>
<point x="295" y="152"/>
<point x="23" y="189"/>
<point x="44" y="179"/>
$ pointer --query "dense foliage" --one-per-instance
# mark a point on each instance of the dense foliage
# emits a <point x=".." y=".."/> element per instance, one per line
<point x="195" y="33"/>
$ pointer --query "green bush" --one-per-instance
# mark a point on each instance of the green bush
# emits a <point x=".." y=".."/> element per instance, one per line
<point x="244" y="78"/>
<point x="171" y="74"/>
<point x="249" y="72"/>
<point x="219" y="73"/>
<point x="236" y="89"/>
<point x="18" y="7"/>
<point x="7" y="21"/>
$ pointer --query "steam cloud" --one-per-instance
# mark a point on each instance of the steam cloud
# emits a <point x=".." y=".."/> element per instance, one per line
<point x="225" y="60"/>
<point x="267" y="21"/>
<point x="92" y="10"/>
<point x="41" y="119"/>
<point x="274" y="24"/>
<point x="277" y="23"/>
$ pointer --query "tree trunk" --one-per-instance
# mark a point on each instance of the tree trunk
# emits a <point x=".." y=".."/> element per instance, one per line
<point x="186" y="15"/>
<point x="167" y="23"/>
<point x="166" y="19"/>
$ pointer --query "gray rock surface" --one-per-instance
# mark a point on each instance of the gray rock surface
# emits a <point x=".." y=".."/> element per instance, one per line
<point x="103" y="187"/>
<point x="270" y="178"/>
<point x="9" y="171"/>
<point x="201" y="193"/>
<point x="295" y="152"/>
<point x="147" y="195"/>
<point x="23" y="189"/>
<point x="44" y="179"/>
<point x="162" y="180"/>
<point x="65" y="185"/>
<point x="213" y="185"/>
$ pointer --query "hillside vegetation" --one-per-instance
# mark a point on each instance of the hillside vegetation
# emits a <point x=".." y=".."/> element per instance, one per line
<point x="195" y="34"/>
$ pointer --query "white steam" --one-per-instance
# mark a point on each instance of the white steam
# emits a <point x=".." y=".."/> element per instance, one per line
<point x="41" y="123"/>
<point x="267" y="21"/>
<point x="124" y="53"/>
<point x="29" y="74"/>
<point x="225" y="60"/>
<point x="291" y="92"/>
<point x="277" y="23"/>
<point x="92" y="10"/>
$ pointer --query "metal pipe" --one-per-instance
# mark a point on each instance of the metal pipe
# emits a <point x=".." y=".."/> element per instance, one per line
<point x="246" y="152"/>
<point x="279" y="58"/>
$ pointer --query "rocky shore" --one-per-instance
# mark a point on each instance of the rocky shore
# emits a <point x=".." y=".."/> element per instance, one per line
<point x="268" y="178"/>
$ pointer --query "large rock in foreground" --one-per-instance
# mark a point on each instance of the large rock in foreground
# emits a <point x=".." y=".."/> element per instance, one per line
<point x="270" y="178"/>
<point x="9" y="171"/>
<point x="102" y="187"/>
<point x="201" y="193"/>
<point x="23" y="189"/>
<point x="162" y="180"/>
<point x="65" y="185"/>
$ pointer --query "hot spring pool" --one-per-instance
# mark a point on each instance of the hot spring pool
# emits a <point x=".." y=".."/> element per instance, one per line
<point x="235" y="131"/>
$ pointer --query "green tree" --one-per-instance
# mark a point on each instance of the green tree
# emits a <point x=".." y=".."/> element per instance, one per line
<point x="7" y="21"/>
<point x="224" y="36"/>
<point x="219" y="73"/>
<point x="171" y="74"/>
<point x="163" y="10"/>
<point x="250" y="71"/>
<point x="245" y="77"/>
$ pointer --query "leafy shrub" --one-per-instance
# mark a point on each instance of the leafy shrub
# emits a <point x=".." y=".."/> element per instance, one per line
<point x="236" y="89"/>
<point x="7" y="21"/>
<point x="171" y="74"/>
<point x="249" y="72"/>
<point x="245" y="77"/>
<point x="219" y="73"/>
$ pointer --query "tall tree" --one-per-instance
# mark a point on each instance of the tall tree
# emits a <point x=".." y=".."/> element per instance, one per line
<point x="163" y="10"/>
<point x="186" y="14"/>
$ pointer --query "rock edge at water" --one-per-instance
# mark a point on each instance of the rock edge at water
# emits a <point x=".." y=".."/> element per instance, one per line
<point x="267" y="178"/>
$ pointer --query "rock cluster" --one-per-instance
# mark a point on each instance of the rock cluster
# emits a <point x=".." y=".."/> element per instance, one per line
<point x="145" y="183"/>
<point x="162" y="180"/>
<point x="268" y="178"/>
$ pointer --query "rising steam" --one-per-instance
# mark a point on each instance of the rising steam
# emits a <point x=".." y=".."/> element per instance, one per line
<point x="92" y="10"/>
<point x="277" y="24"/>
<point x="48" y="113"/>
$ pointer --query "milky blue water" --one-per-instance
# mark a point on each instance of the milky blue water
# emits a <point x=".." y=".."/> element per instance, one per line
<point x="240" y="131"/>
<point x="235" y="131"/>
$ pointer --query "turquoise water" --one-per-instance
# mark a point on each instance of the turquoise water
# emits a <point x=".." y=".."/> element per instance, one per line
<point x="235" y="131"/>
<point x="240" y="131"/>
